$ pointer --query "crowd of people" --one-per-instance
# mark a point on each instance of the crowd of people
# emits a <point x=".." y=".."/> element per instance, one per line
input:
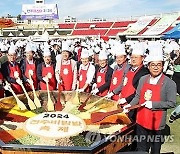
<point x="131" y="72"/>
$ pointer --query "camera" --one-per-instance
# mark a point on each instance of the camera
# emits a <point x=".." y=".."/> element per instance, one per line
<point x="175" y="115"/>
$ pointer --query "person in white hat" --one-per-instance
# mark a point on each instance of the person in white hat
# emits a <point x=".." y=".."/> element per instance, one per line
<point x="136" y="71"/>
<point x="103" y="76"/>
<point x="120" y="70"/>
<point x="28" y="67"/>
<point x="46" y="71"/>
<point x="86" y="72"/>
<point x="66" y="70"/>
<point x="156" y="93"/>
<point x="11" y="71"/>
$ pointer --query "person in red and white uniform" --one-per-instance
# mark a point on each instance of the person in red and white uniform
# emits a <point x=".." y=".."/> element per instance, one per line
<point x="86" y="72"/>
<point x="156" y="93"/>
<point x="120" y="70"/>
<point x="136" y="71"/>
<point x="46" y="71"/>
<point x="11" y="71"/>
<point x="29" y="67"/>
<point x="130" y="83"/>
<point x="103" y="76"/>
<point x="66" y="70"/>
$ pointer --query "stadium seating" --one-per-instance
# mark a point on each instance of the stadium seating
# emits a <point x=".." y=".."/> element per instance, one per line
<point x="96" y="25"/>
<point x="122" y="24"/>
<point x="90" y="32"/>
<point x="114" y="32"/>
<point x="66" y="26"/>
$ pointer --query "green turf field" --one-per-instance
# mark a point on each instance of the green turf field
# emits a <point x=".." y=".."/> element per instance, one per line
<point x="175" y="131"/>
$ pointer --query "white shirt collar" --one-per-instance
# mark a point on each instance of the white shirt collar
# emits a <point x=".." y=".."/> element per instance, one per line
<point x="83" y="67"/>
<point x="155" y="80"/>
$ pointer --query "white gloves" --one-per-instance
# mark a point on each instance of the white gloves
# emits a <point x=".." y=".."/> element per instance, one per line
<point x="31" y="72"/>
<point x="18" y="80"/>
<point x="80" y="90"/>
<point x="30" y="81"/>
<point x="16" y="74"/>
<point x="49" y="75"/>
<point x="109" y="95"/>
<point x="94" y="86"/>
<point x="122" y="101"/>
<point x="95" y="91"/>
<point x="45" y="79"/>
<point x="148" y="104"/>
<point x="125" y="110"/>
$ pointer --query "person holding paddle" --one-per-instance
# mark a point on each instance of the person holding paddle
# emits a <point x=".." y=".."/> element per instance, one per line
<point x="66" y="69"/>
<point x="120" y="71"/>
<point x="156" y="93"/>
<point x="131" y="80"/>
<point x="29" y="67"/>
<point x="86" y="72"/>
<point x="11" y="71"/>
<point x="45" y="71"/>
<point x="103" y="76"/>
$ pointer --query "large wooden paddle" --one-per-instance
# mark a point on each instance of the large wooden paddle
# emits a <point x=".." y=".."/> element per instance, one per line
<point x="31" y="104"/>
<point x="81" y="107"/>
<point x="58" y="105"/>
<point x="75" y="99"/>
<point x="89" y="106"/>
<point x="50" y="104"/>
<point x="99" y="116"/>
<point x="36" y="99"/>
<point x="19" y="103"/>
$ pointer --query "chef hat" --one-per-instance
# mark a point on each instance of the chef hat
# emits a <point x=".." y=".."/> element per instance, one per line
<point x="168" y="48"/>
<point x="84" y="53"/>
<point x="4" y="48"/>
<point x="119" y="49"/>
<point x="83" y="44"/>
<point x="28" y="48"/>
<point x="91" y="52"/>
<point x="102" y="55"/>
<point x="138" y="49"/>
<point x="97" y="49"/>
<point x="65" y="46"/>
<point x="155" y="53"/>
<point x="46" y="52"/>
<point x="174" y="45"/>
<point x="12" y="49"/>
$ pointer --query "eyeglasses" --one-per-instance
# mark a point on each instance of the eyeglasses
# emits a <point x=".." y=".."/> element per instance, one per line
<point x="159" y="65"/>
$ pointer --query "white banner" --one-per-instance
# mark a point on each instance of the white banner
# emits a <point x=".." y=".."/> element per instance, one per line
<point x="162" y="24"/>
<point x="139" y="25"/>
<point x="43" y="11"/>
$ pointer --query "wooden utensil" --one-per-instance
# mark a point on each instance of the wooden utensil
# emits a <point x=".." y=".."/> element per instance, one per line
<point x="89" y="106"/>
<point x="75" y="99"/>
<point x="58" y="105"/>
<point x="50" y="104"/>
<point x="30" y="102"/>
<point x="98" y="116"/>
<point x="81" y="107"/>
<point x="19" y="102"/>
<point x="36" y="99"/>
